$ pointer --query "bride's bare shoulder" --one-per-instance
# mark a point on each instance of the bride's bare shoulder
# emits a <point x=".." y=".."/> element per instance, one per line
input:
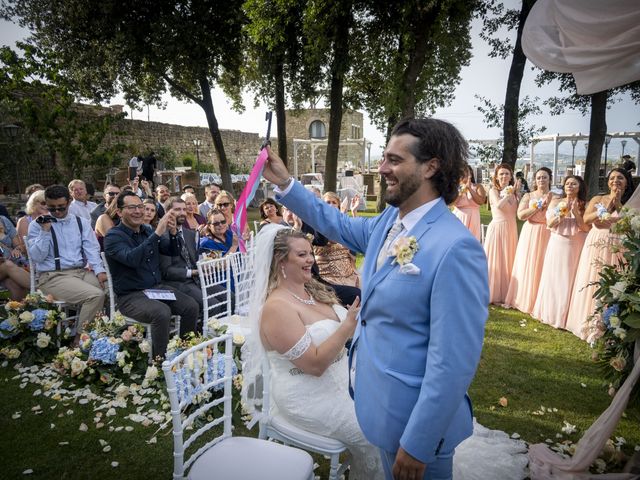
<point x="277" y="306"/>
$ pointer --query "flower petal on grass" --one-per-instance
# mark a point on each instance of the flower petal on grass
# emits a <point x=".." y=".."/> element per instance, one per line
<point x="83" y="427"/>
<point x="114" y="464"/>
<point x="503" y="401"/>
<point x="28" y="471"/>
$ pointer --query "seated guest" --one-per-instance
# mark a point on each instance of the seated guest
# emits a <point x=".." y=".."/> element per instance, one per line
<point x="218" y="236"/>
<point x="80" y="206"/>
<point x="162" y="195"/>
<point x="181" y="272"/>
<point x="60" y="251"/>
<point x="111" y="191"/>
<point x="133" y="252"/>
<point x="9" y="243"/>
<point x="14" y="279"/>
<point x="150" y="212"/>
<point x="106" y="222"/>
<point x="211" y="192"/>
<point x="270" y="212"/>
<point x="189" y="189"/>
<point x="34" y="187"/>
<point x="226" y="204"/>
<point x="36" y="206"/>
<point x="194" y="220"/>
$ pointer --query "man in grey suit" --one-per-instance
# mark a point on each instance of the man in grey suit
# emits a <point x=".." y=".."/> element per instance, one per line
<point x="181" y="272"/>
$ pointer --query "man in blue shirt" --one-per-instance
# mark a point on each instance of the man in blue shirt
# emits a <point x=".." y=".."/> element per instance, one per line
<point x="61" y="249"/>
<point x="133" y="252"/>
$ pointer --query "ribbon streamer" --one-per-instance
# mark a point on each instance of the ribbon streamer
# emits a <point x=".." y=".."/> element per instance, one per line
<point x="248" y="193"/>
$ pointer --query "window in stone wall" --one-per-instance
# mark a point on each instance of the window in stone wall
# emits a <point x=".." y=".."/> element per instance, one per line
<point x="317" y="129"/>
<point x="355" y="131"/>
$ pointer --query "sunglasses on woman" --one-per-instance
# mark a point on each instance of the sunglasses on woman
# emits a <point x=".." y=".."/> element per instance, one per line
<point x="217" y="224"/>
<point x="224" y="205"/>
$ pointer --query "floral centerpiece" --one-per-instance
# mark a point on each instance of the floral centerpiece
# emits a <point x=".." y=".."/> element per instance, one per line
<point x="109" y="349"/>
<point x="615" y="326"/>
<point x="28" y="329"/>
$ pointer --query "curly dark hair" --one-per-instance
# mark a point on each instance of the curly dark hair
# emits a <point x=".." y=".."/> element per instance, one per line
<point x="628" y="191"/>
<point x="441" y="140"/>
<point x="582" y="190"/>
<point x="270" y="201"/>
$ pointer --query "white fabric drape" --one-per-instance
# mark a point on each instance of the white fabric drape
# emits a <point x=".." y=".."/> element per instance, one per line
<point x="598" y="41"/>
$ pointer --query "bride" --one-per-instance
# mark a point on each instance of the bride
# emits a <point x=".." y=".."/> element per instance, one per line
<point x="300" y="327"/>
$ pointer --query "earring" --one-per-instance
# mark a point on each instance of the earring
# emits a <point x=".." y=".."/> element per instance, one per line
<point x="284" y="275"/>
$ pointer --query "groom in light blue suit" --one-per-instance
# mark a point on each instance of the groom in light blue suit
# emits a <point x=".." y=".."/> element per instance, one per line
<point x="421" y="328"/>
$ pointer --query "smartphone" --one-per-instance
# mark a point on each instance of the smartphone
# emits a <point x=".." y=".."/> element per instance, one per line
<point x="46" y="219"/>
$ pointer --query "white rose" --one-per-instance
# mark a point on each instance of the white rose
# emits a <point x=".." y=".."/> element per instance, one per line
<point x="614" y="321"/>
<point x="127" y="368"/>
<point x="635" y="223"/>
<point x="26" y="317"/>
<point x="621" y="333"/>
<point x="145" y="346"/>
<point x="238" y="338"/>
<point x="43" y="340"/>
<point x="77" y="366"/>
<point x="121" y="358"/>
<point x="151" y="373"/>
<point x="119" y="320"/>
<point x="618" y="289"/>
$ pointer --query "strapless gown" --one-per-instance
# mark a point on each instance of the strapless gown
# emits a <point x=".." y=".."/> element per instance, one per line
<point x="322" y="405"/>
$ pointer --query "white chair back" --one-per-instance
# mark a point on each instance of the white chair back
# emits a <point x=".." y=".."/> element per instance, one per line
<point x="32" y="268"/>
<point x="242" y="269"/>
<point x="112" y="297"/>
<point x="215" y="272"/>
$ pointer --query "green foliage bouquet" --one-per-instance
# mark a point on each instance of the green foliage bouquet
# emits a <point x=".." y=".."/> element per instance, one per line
<point x="615" y="326"/>
<point x="28" y="330"/>
<point x="110" y="350"/>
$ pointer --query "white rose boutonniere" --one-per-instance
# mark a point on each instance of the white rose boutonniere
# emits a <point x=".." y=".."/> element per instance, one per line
<point x="404" y="249"/>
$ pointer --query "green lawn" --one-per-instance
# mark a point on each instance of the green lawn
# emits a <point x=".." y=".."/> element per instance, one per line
<point x="532" y="366"/>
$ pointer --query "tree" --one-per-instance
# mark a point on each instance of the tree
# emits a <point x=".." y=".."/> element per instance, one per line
<point x="495" y="17"/>
<point x="53" y="124"/>
<point x="410" y="59"/>
<point x="143" y="49"/>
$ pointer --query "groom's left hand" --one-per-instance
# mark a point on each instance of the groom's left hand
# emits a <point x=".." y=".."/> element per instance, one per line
<point x="406" y="467"/>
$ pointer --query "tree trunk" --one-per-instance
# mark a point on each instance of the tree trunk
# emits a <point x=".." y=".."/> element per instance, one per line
<point x="212" y="122"/>
<point x="597" y="132"/>
<point x="512" y="97"/>
<point x="339" y="66"/>
<point x="281" y="118"/>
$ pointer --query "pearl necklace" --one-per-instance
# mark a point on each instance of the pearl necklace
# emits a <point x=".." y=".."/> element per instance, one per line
<point x="311" y="301"/>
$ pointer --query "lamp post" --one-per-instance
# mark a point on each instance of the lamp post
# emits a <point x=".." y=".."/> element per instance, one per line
<point x="574" y="142"/>
<point x="624" y="144"/>
<point x="607" y="141"/>
<point x="368" y="157"/>
<point x="197" y="144"/>
<point x="11" y="131"/>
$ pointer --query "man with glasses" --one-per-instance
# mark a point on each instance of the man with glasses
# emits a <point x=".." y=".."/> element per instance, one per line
<point x="133" y="252"/>
<point x="111" y="191"/>
<point x="81" y="206"/>
<point x="61" y="245"/>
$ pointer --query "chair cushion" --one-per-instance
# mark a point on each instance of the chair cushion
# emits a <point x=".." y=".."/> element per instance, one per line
<point x="278" y="423"/>
<point x="244" y="458"/>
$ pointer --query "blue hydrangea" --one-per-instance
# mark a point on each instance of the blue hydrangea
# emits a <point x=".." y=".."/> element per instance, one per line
<point x="188" y="389"/>
<point x="610" y="311"/>
<point x="104" y="351"/>
<point x="7" y="330"/>
<point x="39" y="317"/>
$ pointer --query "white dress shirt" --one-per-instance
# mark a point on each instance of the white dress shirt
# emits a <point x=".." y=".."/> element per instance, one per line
<point x="82" y="209"/>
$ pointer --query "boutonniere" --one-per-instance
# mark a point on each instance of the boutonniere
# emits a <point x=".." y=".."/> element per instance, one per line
<point x="404" y="249"/>
<point x="561" y="210"/>
<point x="506" y="191"/>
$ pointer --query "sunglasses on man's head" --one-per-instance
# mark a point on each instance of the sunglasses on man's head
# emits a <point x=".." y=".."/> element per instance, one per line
<point x="56" y="209"/>
<point x="224" y="205"/>
<point x="217" y="224"/>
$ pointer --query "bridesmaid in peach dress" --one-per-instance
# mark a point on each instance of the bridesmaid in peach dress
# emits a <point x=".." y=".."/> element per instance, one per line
<point x="467" y="205"/>
<point x="502" y="234"/>
<point x="568" y="232"/>
<point x="601" y="213"/>
<point x="532" y="245"/>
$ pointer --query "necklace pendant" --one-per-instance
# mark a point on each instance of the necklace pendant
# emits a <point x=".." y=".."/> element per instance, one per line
<point x="311" y="300"/>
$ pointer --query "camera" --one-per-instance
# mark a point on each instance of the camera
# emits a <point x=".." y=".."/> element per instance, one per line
<point x="46" y="219"/>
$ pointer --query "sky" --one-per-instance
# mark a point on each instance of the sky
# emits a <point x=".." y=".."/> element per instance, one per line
<point x="485" y="76"/>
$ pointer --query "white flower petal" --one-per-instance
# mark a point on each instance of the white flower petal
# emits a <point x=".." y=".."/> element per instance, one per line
<point x="114" y="464"/>
<point x="83" y="427"/>
<point x="28" y="471"/>
<point x="107" y="449"/>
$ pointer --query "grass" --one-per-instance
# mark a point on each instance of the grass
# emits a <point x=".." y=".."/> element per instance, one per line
<point x="531" y="366"/>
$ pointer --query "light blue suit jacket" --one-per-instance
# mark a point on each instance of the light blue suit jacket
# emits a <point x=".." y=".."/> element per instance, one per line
<point x="419" y="338"/>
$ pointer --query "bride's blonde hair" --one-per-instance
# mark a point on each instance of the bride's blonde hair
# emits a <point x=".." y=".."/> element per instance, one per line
<point x="281" y="249"/>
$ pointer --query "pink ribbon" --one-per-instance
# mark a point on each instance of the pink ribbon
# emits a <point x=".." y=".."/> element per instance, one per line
<point x="240" y="216"/>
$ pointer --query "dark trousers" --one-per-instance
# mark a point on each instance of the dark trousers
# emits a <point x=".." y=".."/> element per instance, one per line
<point x="158" y="313"/>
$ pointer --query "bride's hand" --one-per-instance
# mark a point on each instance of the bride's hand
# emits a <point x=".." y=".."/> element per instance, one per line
<point x="352" y="314"/>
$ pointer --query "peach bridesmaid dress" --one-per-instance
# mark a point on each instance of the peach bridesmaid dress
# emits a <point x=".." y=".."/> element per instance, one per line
<point x="468" y="212"/>
<point x="559" y="272"/>
<point x="527" y="266"/>
<point x="596" y="252"/>
<point x="500" y="245"/>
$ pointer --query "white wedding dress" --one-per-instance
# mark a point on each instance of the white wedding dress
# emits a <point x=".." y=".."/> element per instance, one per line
<point x="322" y="404"/>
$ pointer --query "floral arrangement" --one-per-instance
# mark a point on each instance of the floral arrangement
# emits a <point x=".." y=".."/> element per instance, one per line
<point x="404" y="249"/>
<point x="603" y="213"/>
<point x="561" y="210"/>
<point x="614" y="329"/>
<point x="108" y="350"/>
<point x="537" y="204"/>
<point x="506" y="191"/>
<point x="28" y="332"/>
<point x="462" y="189"/>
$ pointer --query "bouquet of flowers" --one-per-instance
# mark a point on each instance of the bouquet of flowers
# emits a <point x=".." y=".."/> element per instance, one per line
<point x="506" y="191"/>
<point x="561" y="210"/>
<point x="28" y="329"/>
<point x="111" y="349"/>
<point x="603" y="213"/>
<point x="615" y="326"/>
